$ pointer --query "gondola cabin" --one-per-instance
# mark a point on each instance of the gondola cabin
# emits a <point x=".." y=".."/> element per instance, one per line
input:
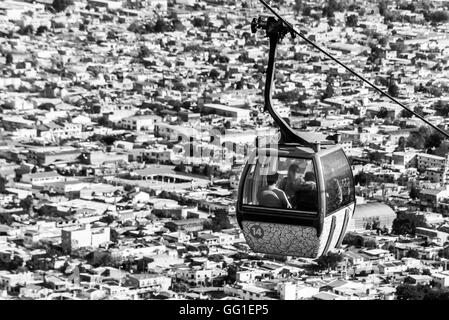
<point x="295" y="200"/>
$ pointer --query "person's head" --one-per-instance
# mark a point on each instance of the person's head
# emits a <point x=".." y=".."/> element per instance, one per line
<point x="294" y="172"/>
<point x="272" y="178"/>
<point x="310" y="176"/>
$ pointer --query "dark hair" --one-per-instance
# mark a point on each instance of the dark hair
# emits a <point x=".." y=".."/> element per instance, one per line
<point x="310" y="176"/>
<point x="272" y="178"/>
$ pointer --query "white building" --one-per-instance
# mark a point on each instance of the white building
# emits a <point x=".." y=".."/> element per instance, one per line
<point x="247" y="292"/>
<point x="172" y="132"/>
<point x="237" y="114"/>
<point x="52" y="131"/>
<point x="293" y="291"/>
<point x="139" y="123"/>
<point x="392" y="267"/>
<point x="442" y="278"/>
<point x="199" y="276"/>
<point x="425" y="161"/>
<point x="42" y="177"/>
<point x="150" y="281"/>
<point x="86" y="237"/>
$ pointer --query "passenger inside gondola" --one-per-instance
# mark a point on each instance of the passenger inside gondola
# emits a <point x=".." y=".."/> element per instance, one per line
<point x="271" y="196"/>
<point x="282" y="183"/>
<point x="306" y="197"/>
<point x="291" y="182"/>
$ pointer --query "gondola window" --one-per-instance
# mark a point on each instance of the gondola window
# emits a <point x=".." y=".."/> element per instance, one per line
<point x="281" y="183"/>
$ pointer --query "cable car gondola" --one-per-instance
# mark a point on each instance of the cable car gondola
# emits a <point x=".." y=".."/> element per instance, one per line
<point x="296" y="199"/>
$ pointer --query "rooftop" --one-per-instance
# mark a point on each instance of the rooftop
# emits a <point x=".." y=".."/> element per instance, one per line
<point x="373" y="209"/>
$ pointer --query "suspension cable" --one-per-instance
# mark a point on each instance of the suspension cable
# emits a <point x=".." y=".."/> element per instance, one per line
<point x="302" y="36"/>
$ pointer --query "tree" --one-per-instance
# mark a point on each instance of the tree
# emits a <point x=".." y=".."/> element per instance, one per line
<point x="408" y="292"/>
<point x="383" y="113"/>
<point x="61" y="5"/>
<point x="298" y="6"/>
<point x="223" y="59"/>
<point x="177" y="25"/>
<point x="414" y="192"/>
<point x="353" y="239"/>
<point x="361" y="178"/>
<point x="420" y="292"/>
<point x="27" y="30"/>
<point x="306" y="11"/>
<point x="444" y="253"/>
<point x="413" y="254"/>
<point x="383" y="8"/>
<point x="107" y="219"/>
<point x="413" y="271"/>
<point x="442" y="150"/>
<point x="393" y="89"/>
<point x="6" y="218"/>
<point x="200" y="23"/>
<point x="197" y="22"/>
<point x="401" y="144"/>
<point x="383" y="41"/>
<point x="107" y="260"/>
<point x="214" y="74"/>
<point x="433" y="140"/>
<point x="111" y="35"/>
<point x="9" y="59"/>
<point x="329" y="261"/>
<point x="411" y="7"/>
<point x="161" y="26"/>
<point x="359" y="121"/>
<point x="370" y="244"/>
<point x="14" y="264"/>
<point x="405" y="114"/>
<point x="287" y="97"/>
<point x="329" y="93"/>
<point x="375" y="56"/>
<point x="109" y="140"/>
<point x="3" y="183"/>
<point x="419" y="110"/>
<point x="219" y="222"/>
<point x="398" y="46"/>
<point x="179" y="86"/>
<point x="352" y="21"/>
<point x="27" y="204"/>
<point x="330" y="8"/>
<point x="442" y="108"/>
<point x="403" y="227"/>
<point x="438" y="16"/>
<point x="417" y="139"/>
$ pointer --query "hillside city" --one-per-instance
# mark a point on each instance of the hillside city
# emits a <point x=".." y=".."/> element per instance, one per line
<point x="125" y="126"/>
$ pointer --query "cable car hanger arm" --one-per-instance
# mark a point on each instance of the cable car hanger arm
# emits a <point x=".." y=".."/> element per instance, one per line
<point x="275" y="31"/>
<point x="290" y="29"/>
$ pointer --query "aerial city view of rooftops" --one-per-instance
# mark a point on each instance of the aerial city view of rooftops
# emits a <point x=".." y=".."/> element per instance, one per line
<point x="149" y="149"/>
